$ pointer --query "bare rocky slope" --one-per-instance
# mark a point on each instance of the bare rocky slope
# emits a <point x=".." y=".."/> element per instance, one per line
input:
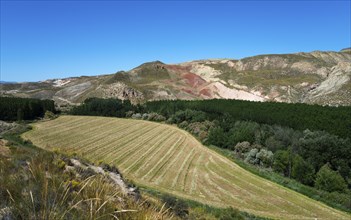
<point x="319" y="77"/>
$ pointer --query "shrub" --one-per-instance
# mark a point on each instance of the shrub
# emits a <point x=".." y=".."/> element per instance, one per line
<point x="183" y="125"/>
<point x="156" y="117"/>
<point x="145" y="116"/>
<point x="265" y="157"/>
<point x="242" y="147"/>
<point x="49" y="115"/>
<point x="136" y="116"/>
<point x="330" y="180"/>
<point x="129" y="114"/>
<point x="251" y="156"/>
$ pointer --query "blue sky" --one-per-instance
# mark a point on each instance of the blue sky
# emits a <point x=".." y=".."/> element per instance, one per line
<point x="55" y="39"/>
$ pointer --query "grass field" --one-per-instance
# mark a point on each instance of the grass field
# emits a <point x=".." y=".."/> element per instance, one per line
<point x="168" y="159"/>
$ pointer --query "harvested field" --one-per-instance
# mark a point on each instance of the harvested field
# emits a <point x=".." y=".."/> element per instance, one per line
<point x="168" y="159"/>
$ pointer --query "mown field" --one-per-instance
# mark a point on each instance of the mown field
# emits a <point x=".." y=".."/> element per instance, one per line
<point x="168" y="159"/>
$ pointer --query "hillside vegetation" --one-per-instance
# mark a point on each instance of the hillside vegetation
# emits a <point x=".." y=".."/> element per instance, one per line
<point x="171" y="160"/>
<point x="17" y="109"/>
<point x="335" y="120"/>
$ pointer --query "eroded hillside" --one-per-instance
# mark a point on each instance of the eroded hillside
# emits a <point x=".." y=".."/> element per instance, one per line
<point x="316" y="77"/>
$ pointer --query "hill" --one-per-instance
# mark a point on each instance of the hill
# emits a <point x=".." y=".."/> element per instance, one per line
<point x="320" y="77"/>
<point x="171" y="160"/>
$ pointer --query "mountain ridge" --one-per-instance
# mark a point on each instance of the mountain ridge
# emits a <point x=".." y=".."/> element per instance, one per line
<point x="318" y="77"/>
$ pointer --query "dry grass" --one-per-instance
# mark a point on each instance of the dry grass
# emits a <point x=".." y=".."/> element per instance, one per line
<point x="33" y="185"/>
<point x="171" y="160"/>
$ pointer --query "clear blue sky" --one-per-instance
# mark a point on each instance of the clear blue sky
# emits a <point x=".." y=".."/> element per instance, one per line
<point x="44" y="40"/>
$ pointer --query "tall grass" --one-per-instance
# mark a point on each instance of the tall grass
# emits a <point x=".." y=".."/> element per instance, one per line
<point x="35" y="185"/>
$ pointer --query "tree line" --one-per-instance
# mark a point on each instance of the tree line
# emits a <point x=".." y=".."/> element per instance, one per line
<point x="334" y="120"/>
<point x="18" y="109"/>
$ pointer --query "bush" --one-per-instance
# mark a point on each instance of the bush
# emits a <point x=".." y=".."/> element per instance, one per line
<point x="251" y="156"/>
<point x="188" y="115"/>
<point x="183" y="125"/>
<point x="265" y="157"/>
<point x="242" y="147"/>
<point x="156" y="117"/>
<point x="136" y="116"/>
<point x="330" y="180"/>
<point x="49" y="115"/>
<point x="129" y="114"/>
<point x="145" y="116"/>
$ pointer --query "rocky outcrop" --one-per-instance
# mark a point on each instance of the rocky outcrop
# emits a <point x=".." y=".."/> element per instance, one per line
<point x="121" y="91"/>
<point x="110" y="172"/>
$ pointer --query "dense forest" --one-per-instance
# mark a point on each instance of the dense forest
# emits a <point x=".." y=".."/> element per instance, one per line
<point x="334" y="120"/>
<point x="104" y="107"/>
<point x="307" y="143"/>
<point x="17" y="109"/>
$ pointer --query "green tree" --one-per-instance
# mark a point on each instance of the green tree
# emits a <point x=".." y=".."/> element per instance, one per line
<point x="282" y="162"/>
<point x="20" y="114"/>
<point x="243" y="131"/>
<point x="302" y="171"/>
<point x="330" y="180"/>
<point x="217" y="137"/>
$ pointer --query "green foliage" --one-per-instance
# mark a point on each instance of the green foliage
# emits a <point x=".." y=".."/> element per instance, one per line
<point x="188" y="115"/>
<point x="302" y="171"/>
<point x="104" y="107"/>
<point x="217" y="137"/>
<point x="155" y="117"/>
<point x="259" y="156"/>
<point x="283" y="162"/>
<point x="229" y="214"/>
<point x="264" y="157"/>
<point x="320" y="148"/>
<point x="242" y="148"/>
<point x="49" y="115"/>
<point x="335" y="120"/>
<point x="330" y="180"/>
<point x="12" y="109"/>
<point x="199" y="129"/>
<point x="243" y="131"/>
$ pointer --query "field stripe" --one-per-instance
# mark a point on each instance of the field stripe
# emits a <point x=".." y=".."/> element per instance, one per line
<point x="164" y="157"/>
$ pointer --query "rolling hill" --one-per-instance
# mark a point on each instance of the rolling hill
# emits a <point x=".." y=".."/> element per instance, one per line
<point x="171" y="160"/>
<point x="319" y="77"/>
